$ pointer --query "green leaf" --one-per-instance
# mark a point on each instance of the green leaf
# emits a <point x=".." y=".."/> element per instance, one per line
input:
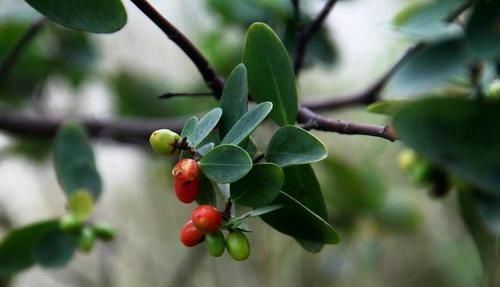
<point x="54" y="248"/>
<point x="204" y="149"/>
<point x="260" y="211"/>
<point x="259" y="187"/>
<point x="305" y="207"/>
<point x="234" y="98"/>
<point x="388" y="107"/>
<point x="296" y="220"/>
<point x="206" y="195"/>
<point x="188" y="128"/>
<point x="74" y="161"/>
<point x="482" y="34"/>
<point x="270" y="73"/>
<point x="310" y="246"/>
<point x="16" y="247"/>
<point x="488" y="208"/>
<point x="81" y="204"/>
<point x="430" y="68"/>
<point x="96" y="16"/>
<point x="459" y="134"/>
<point x="226" y="163"/>
<point x="206" y="124"/>
<point x="294" y="146"/>
<point x="247" y="123"/>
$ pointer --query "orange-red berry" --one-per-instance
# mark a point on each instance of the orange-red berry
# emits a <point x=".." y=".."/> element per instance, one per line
<point x="186" y="180"/>
<point x="207" y="218"/>
<point x="190" y="235"/>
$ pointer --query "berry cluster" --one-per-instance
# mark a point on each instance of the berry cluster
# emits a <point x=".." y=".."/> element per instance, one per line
<point x="206" y="223"/>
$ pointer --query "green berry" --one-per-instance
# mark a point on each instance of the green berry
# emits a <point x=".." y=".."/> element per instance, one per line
<point x="215" y="243"/>
<point x="104" y="231"/>
<point x="407" y="159"/>
<point x="69" y="223"/>
<point x="237" y="245"/>
<point x="86" y="240"/>
<point x="164" y="141"/>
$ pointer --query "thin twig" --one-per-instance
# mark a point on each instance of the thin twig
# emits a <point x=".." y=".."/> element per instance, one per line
<point x="307" y="34"/>
<point x="12" y="56"/>
<point x="209" y="75"/>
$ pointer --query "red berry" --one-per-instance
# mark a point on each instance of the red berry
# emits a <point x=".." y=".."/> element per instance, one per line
<point x="186" y="180"/>
<point x="206" y="218"/>
<point x="190" y="235"/>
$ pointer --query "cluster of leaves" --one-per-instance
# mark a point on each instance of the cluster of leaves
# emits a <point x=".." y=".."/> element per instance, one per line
<point x="285" y="179"/>
<point x="52" y="242"/>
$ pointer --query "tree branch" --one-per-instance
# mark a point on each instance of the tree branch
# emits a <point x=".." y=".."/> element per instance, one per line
<point x="124" y="130"/>
<point x="307" y="34"/>
<point x="213" y="81"/>
<point x="12" y="56"/>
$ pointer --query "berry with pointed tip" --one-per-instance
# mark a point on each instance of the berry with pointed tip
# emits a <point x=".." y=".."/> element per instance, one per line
<point x="237" y="245"/>
<point x="206" y="218"/>
<point x="190" y="235"/>
<point x="186" y="180"/>
<point x="164" y="141"/>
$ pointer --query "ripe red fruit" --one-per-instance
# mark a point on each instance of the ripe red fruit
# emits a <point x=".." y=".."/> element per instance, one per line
<point x="186" y="180"/>
<point x="207" y="218"/>
<point x="190" y="235"/>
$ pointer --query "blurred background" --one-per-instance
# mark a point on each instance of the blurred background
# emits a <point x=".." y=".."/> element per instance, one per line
<point x="393" y="234"/>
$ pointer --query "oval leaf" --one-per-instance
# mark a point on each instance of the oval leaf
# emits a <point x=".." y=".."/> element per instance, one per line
<point x="16" y="247"/>
<point x="270" y="73"/>
<point x="234" y="98"/>
<point x="74" y="161"/>
<point x="207" y="192"/>
<point x="96" y="16"/>
<point x="294" y="146"/>
<point x="226" y="163"/>
<point x="188" y="128"/>
<point x="247" y="123"/>
<point x="461" y="135"/>
<point x="206" y="124"/>
<point x="259" y="187"/>
<point x="54" y="249"/>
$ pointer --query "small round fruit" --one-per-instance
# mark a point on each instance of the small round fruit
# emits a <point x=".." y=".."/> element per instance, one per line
<point x="206" y="218"/>
<point x="104" y="231"/>
<point x="86" y="240"/>
<point x="407" y="159"/>
<point x="69" y="223"/>
<point x="215" y="243"/>
<point x="164" y="141"/>
<point x="190" y="235"/>
<point x="237" y="245"/>
<point x="186" y="180"/>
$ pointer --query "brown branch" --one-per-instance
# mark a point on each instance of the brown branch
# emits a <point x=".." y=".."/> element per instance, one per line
<point x="12" y="56"/>
<point x="213" y="81"/>
<point x="307" y="34"/>
<point x="124" y="130"/>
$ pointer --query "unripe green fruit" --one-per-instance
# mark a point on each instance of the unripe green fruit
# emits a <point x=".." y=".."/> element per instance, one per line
<point x="407" y="159"/>
<point x="86" y="240"/>
<point x="215" y="243"/>
<point x="237" y="245"/>
<point x="69" y="223"/>
<point x="164" y="141"/>
<point x="104" y="231"/>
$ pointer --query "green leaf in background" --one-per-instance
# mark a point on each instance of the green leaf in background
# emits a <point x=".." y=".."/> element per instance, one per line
<point x="270" y="73"/>
<point x="206" y="124"/>
<point x="305" y="207"/>
<point x="388" y="107"/>
<point x="298" y="221"/>
<point x="459" y="134"/>
<point x="188" y="128"/>
<point x="488" y="209"/>
<point x="204" y="149"/>
<point x="259" y="187"/>
<point x="234" y="98"/>
<point x="16" y="247"/>
<point x="55" y="248"/>
<point x="74" y="161"/>
<point x="430" y="68"/>
<point x="96" y="16"/>
<point x="482" y="34"/>
<point x="226" y="163"/>
<point x="206" y="195"/>
<point x="247" y="123"/>
<point x="260" y="211"/>
<point x="426" y="20"/>
<point x="294" y="146"/>
<point x="81" y="204"/>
